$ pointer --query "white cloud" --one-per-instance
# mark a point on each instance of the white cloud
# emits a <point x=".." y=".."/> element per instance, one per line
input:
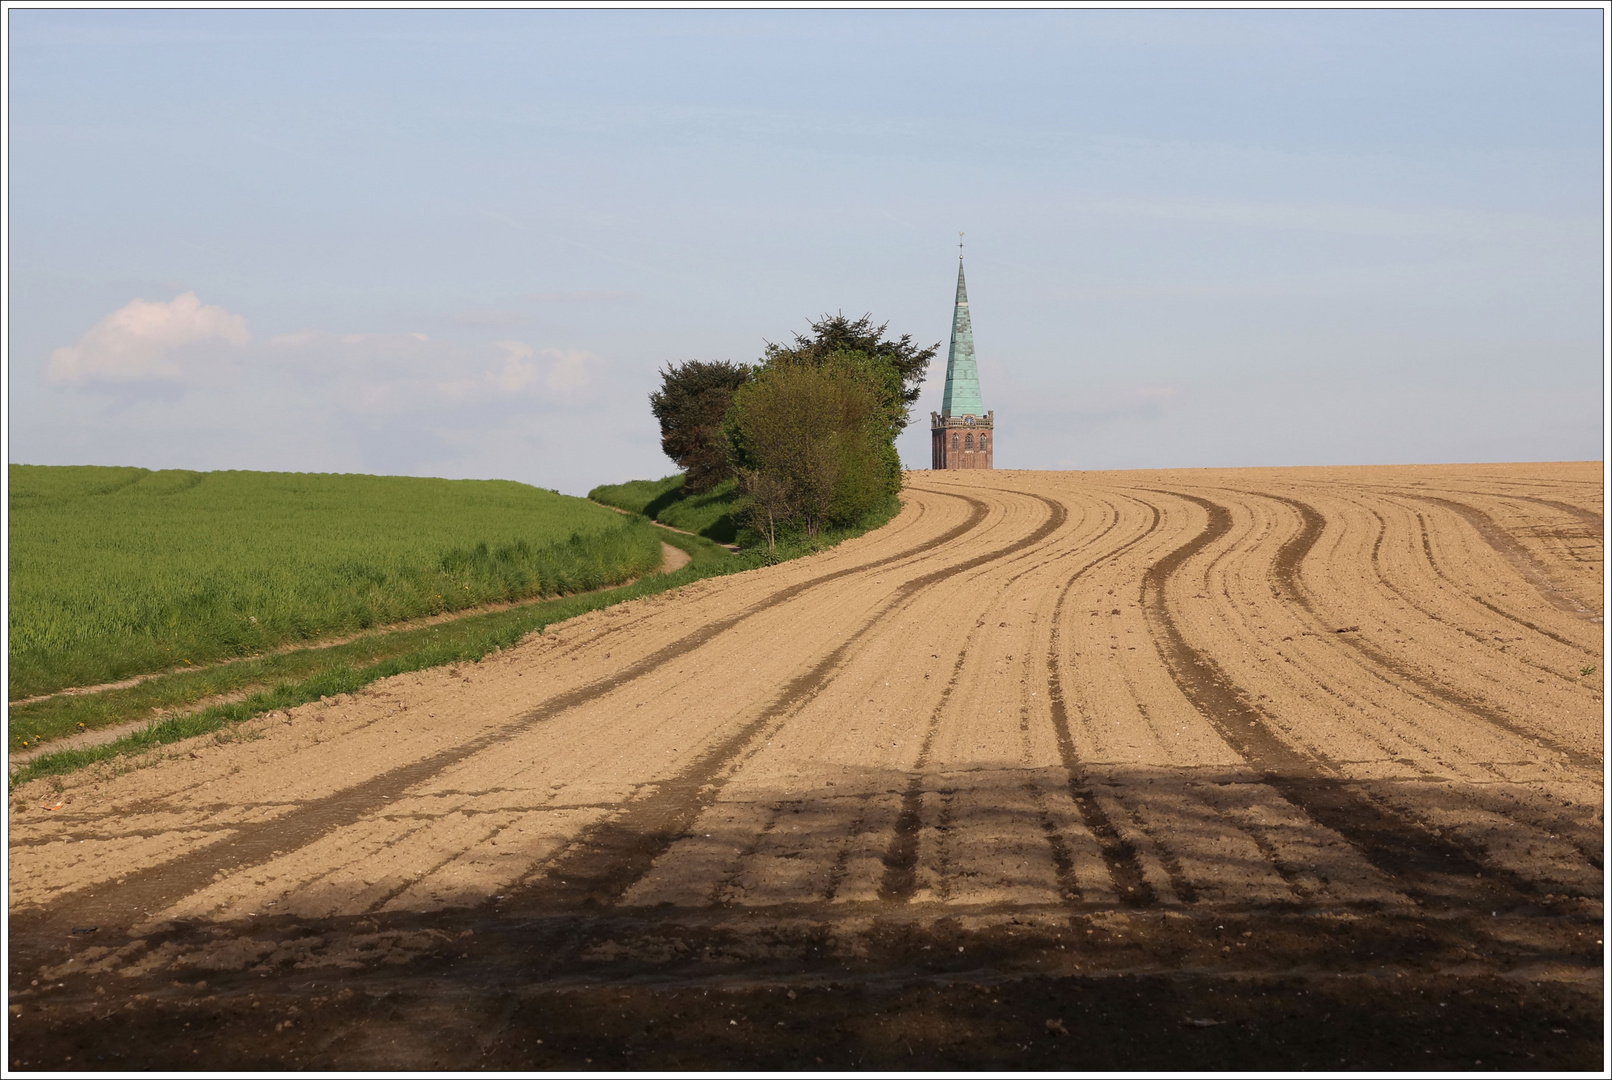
<point x="516" y="373"/>
<point x="137" y="341"/>
<point x="565" y="373"/>
<point x="399" y="374"/>
<point x="569" y="371"/>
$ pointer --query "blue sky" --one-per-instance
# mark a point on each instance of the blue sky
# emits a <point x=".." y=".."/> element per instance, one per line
<point x="462" y="244"/>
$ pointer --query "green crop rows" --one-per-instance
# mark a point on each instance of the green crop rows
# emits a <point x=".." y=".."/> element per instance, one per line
<point x="117" y="572"/>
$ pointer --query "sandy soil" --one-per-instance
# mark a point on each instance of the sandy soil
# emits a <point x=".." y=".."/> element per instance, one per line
<point x="1308" y="761"/>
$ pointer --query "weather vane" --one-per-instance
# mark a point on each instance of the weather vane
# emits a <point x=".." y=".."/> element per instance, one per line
<point x="959" y="245"/>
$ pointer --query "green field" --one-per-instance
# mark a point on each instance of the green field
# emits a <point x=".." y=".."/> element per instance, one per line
<point x="709" y="514"/>
<point x="117" y="572"/>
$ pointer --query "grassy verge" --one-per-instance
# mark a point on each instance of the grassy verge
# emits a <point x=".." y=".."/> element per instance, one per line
<point x="710" y="514"/>
<point x="639" y="496"/>
<point x="290" y="679"/>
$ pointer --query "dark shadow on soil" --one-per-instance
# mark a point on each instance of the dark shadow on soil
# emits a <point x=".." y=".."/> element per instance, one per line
<point x="1261" y="969"/>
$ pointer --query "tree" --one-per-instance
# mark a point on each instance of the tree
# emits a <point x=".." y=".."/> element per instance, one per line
<point x="693" y="398"/>
<point x="813" y="442"/>
<point x="771" y="502"/>
<point x="837" y="334"/>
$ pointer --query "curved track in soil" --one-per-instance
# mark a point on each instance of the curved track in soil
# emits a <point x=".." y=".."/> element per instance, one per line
<point x="1245" y="746"/>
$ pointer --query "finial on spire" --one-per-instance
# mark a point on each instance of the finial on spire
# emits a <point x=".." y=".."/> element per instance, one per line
<point x="959" y="247"/>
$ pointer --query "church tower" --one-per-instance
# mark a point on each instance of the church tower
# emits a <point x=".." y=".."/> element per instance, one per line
<point x="961" y="433"/>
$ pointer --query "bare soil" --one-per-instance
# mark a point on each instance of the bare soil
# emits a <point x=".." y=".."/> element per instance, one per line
<point x="1285" y="768"/>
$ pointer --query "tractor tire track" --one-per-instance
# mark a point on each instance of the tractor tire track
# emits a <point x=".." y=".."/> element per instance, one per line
<point x="1427" y="552"/>
<point x="1589" y="517"/>
<point x="1520" y="558"/>
<point x="609" y="859"/>
<point x="1427" y="867"/>
<point x="1286" y="571"/>
<point x="1119" y="854"/>
<point x="901" y="855"/>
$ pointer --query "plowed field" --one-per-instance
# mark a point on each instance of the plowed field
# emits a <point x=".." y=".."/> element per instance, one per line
<point x="1265" y="768"/>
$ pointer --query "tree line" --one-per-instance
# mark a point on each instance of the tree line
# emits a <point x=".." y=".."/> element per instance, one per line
<point x="808" y="431"/>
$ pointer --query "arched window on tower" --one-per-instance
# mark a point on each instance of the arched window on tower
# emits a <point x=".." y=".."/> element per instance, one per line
<point x="983" y="437"/>
<point x="968" y="442"/>
<point x="954" y="440"/>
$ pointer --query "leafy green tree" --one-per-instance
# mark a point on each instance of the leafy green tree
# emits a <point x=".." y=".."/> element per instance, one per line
<point x="813" y="440"/>
<point x="693" y="398"/>
<point x="836" y="334"/>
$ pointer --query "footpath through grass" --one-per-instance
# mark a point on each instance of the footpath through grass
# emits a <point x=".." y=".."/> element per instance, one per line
<point x="286" y="680"/>
<point x="116" y="572"/>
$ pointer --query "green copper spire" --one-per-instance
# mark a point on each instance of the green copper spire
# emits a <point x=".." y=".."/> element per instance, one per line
<point x="962" y="396"/>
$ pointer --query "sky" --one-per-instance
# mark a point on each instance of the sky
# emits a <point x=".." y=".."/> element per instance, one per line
<point x="464" y="244"/>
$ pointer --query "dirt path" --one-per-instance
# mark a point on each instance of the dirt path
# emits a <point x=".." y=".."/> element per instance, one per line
<point x="1203" y="769"/>
<point x="673" y="558"/>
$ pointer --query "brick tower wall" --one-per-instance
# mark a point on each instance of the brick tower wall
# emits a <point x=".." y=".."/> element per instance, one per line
<point x="955" y="444"/>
